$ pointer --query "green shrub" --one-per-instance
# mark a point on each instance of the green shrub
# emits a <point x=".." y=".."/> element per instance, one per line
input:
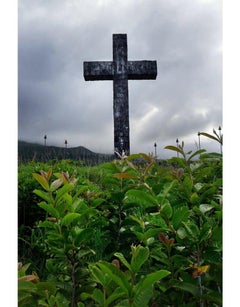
<point x="110" y="234"/>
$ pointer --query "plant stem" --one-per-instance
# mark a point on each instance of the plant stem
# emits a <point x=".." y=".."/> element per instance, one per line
<point x="73" y="262"/>
<point x="200" y="291"/>
<point x="200" y="283"/>
<point x="119" y="221"/>
<point x="104" y="296"/>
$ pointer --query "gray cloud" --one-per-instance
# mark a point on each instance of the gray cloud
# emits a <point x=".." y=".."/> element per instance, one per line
<point x="55" y="37"/>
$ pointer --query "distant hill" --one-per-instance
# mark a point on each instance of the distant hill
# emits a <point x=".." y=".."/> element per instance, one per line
<point x="36" y="152"/>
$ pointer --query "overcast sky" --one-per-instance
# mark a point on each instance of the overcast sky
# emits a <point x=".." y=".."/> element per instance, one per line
<point x="57" y="36"/>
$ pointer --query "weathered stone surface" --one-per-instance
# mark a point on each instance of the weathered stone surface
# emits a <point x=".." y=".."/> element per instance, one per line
<point x="94" y="71"/>
<point x="142" y="70"/>
<point x="120" y="70"/>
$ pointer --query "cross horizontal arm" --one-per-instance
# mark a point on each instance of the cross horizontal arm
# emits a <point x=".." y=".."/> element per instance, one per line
<point x="139" y="70"/>
<point x="98" y="70"/>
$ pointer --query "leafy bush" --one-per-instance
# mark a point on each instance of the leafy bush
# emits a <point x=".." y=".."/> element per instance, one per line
<point x="130" y="232"/>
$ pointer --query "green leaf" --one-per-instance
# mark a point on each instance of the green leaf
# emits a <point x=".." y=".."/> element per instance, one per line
<point x="140" y="255"/>
<point x="69" y="218"/>
<point x="174" y="148"/>
<point x="180" y="215"/>
<point x="25" y="299"/>
<point x="43" y="195"/>
<point x="191" y="229"/>
<point x="110" y="167"/>
<point x="198" y="152"/>
<point x="166" y="209"/>
<point x="144" y="289"/>
<point x="99" y="275"/>
<point x="84" y="235"/>
<point x="188" y="185"/>
<point x="138" y="234"/>
<point x="148" y="241"/>
<point x="214" y="297"/>
<point x="26" y="286"/>
<point x="154" y="277"/>
<point x="151" y="233"/>
<point x="158" y="221"/>
<point x="143" y="295"/>
<point x="65" y="189"/>
<point x="187" y="287"/>
<point x="50" y="209"/>
<point x="42" y="180"/>
<point x="206" y="232"/>
<point x="123" y="260"/>
<point x="210" y="136"/>
<point x="205" y="208"/>
<point x="48" y="287"/>
<point x="181" y="232"/>
<point x="133" y="157"/>
<point x="116" y="275"/>
<point x="116" y="294"/>
<point x="84" y="296"/>
<point x="46" y="224"/>
<point x="165" y="191"/>
<point x="146" y="157"/>
<point x="24" y="269"/>
<point x="98" y="297"/>
<point x="140" y="222"/>
<point x="211" y="155"/>
<point x="140" y="197"/>
<point x="208" y="194"/>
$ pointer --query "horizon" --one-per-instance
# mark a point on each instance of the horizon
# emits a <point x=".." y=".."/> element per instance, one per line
<point x="205" y="143"/>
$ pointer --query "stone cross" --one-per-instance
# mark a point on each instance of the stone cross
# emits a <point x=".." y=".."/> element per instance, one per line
<point x="120" y="70"/>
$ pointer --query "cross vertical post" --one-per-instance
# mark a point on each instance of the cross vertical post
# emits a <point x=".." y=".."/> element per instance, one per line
<point x="120" y="95"/>
<point x="120" y="70"/>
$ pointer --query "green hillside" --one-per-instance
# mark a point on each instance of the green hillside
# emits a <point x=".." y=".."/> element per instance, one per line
<point x="36" y="152"/>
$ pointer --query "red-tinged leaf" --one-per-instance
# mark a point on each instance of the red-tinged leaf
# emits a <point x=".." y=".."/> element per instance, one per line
<point x="162" y="237"/>
<point x="56" y="184"/>
<point x="43" y="174"/>
<point x="42" y="180"/>
<point x="65" y="177"/>
<point x="171" y="242"/>
<point x="49" y="174"/>
<point x="46" y="175"/>
<point x="124" y="175"/>
<point x="116" y="263"/>
<point x="130" y="164"/>
<point x="33" y="278"/>
<point x="199" y="270"/>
